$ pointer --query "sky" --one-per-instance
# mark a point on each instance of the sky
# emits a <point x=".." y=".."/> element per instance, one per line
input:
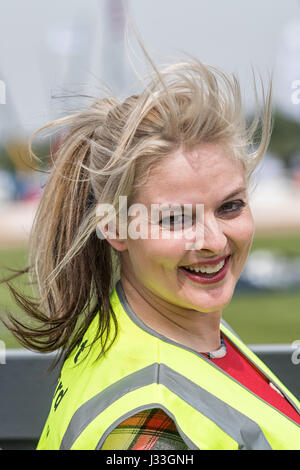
<point x="53" y="48"/>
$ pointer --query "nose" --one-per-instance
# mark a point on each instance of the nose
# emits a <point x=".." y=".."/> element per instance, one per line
<point x="213" y="238"/>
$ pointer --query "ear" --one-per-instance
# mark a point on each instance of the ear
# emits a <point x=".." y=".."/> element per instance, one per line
<point x="109" y="228"/>
<point x="115" y="240"/>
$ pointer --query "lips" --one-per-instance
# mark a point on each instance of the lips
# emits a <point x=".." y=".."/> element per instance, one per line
<point x="203" y="278"/>
<point x="207" y="262"/>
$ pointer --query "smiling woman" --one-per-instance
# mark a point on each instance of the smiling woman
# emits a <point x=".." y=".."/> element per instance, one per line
<point x="148" y="361"/>
<point x="159" y="275"/>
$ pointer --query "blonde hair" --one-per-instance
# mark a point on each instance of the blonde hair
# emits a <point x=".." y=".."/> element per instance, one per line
<point x="107" y="151"/>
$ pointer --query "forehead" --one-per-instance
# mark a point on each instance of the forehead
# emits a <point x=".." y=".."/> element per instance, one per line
<point x="185" y="176"/>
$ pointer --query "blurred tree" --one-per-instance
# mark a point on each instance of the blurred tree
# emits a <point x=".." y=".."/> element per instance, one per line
<point x="14" y="156"/>
<point x="285" y="140"/>
<point x="5" y="161"/>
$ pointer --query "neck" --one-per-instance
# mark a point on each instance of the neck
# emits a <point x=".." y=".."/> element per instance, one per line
<point x="191" y="328"/>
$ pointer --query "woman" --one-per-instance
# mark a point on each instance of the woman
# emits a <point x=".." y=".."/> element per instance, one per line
<point x="152" y="193"/>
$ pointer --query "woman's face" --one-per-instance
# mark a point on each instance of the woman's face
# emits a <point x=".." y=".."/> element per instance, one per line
<point x="166" y="268"/>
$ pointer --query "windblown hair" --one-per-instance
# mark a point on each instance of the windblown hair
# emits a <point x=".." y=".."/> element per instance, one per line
<point x="107" y="152"/>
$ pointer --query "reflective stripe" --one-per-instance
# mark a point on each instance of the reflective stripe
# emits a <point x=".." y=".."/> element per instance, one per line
<point x="238" y="426"/>
<point x="93" y="407"/>
<point x="232" y="336"/>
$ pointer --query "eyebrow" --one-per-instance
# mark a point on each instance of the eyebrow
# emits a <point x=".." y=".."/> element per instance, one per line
<point x="174" y="207"/>
<point x="239" y="190"/>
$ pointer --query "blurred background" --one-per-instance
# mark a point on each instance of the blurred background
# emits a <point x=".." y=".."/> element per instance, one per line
<point x="54" y="55"/>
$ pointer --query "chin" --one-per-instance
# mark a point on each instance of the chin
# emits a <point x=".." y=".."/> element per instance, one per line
<point x="214" y="299"/>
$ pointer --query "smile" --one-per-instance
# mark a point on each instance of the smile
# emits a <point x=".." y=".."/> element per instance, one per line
<point x="206" y="269"/>
<point x="206" y="274"/>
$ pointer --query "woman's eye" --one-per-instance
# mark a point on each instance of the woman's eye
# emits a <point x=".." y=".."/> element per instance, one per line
<point x="175" y="222"/>
<point x="232" y="206"/>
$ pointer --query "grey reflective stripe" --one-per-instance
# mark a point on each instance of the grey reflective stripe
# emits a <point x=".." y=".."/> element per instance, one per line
<point x="143" y="326"/>
<point x="93" y="407"/>
<point x="238" y="426"/>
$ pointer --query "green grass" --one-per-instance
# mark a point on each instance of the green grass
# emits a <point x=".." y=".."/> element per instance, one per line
<point x="287" y="245"/>
<point x="270" y="317"/>
<point x="15" y="258"/>
<point x="265" y="318"/>
<point x="257" y="318"/>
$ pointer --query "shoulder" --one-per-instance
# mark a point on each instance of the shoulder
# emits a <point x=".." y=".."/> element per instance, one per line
<point x="151" y="429"/>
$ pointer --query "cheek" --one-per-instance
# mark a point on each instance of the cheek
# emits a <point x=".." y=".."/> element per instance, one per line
<point x="248" y="229"/>
<point x="243" y="237"/>
<point x="155" y="254"/>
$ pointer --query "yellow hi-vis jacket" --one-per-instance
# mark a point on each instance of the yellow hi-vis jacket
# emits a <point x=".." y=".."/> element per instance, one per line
<point x="143" y="369"/>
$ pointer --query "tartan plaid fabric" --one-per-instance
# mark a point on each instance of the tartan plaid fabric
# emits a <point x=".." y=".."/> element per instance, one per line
<point x="146" y="430"/>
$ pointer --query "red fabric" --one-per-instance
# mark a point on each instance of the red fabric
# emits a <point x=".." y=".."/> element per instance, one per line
<point x="157" y="421"/>
<point x="236" y="365"/>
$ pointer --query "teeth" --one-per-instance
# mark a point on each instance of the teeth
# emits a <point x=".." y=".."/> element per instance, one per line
<point x="207" y="269"/>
